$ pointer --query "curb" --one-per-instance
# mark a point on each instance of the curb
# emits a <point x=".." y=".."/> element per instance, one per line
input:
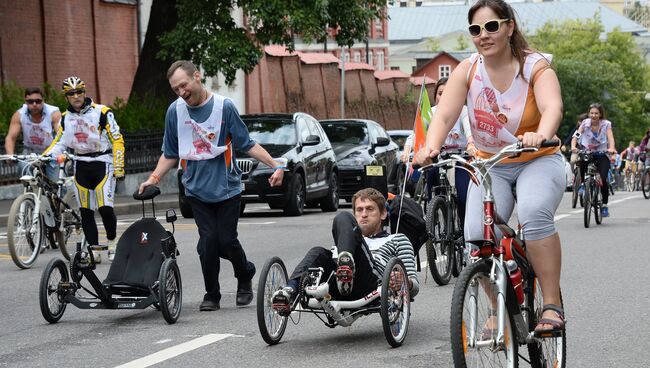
<point x="135" y="207"/>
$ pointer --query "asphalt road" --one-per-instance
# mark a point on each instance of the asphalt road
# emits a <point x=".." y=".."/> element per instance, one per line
<point x="604" y="269"/>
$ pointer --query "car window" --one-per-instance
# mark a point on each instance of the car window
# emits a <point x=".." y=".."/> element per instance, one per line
<point x="314" y="128"/>
<point x="272" y="131"/>
<point x="374" y="132"/>
<point x="346" y="133"/>
<point x="400" y="140"/>
<point x="303" y="128"/>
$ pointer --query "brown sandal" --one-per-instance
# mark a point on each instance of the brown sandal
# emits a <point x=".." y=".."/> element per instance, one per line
<point x="558" y="327"/>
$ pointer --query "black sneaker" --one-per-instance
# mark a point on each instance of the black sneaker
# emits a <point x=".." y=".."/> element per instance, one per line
<point x="345" y="273"/>
<point x="244" y="293"/>
<point x="282" y="299"/>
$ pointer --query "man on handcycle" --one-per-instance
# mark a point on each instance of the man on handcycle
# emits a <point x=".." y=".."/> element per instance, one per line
<point x="364" y="249"/>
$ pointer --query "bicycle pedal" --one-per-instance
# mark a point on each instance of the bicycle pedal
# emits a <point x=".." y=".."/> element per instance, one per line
<point x="98" y="247"/>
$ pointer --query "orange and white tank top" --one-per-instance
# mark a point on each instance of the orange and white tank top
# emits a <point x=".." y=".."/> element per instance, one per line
<point x="199" y="141"/>
<point x="496" y="119"/>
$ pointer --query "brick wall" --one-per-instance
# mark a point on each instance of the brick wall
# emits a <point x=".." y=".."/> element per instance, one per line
<point x="104" y="56"/>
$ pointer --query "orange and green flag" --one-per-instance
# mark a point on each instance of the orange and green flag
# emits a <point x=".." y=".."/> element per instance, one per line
<point x="422" y="119"/>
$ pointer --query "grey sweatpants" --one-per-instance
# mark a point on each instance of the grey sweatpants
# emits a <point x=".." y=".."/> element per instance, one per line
<point x="539" y="183"/>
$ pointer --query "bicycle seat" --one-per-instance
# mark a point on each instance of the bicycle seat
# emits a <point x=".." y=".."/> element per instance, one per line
<point x="138" y="258"/>
<point x="148" y="193"/>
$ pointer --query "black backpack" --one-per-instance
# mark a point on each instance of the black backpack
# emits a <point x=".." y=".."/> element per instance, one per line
<point x="411" y="223"/>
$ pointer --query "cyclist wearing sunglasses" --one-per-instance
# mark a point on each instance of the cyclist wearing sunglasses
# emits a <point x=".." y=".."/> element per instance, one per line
<point x="595" y="134"/>
<point x="38" y="123"/>
<point x="511" y="94"/>
<point x="91" y="131"/>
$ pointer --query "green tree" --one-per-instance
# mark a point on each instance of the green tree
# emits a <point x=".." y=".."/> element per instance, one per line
<point x="433" y="44"/>
<point x="207" y="33"/>
<point x="461" y="43"/>
<point x="591" y="69"/>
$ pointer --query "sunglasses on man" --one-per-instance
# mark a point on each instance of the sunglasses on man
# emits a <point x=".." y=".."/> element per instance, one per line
<point x="77" y="92"/>
<point x="36" y="101"/>
<point x="491" y="26"/>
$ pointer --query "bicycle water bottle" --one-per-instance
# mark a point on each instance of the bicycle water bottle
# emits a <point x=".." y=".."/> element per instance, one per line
<point x="516" y="279"/>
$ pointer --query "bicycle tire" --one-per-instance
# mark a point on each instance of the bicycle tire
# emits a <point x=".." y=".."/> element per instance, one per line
<point x="458" y="243"/>
<point x="597" y="204"/>
<point x="52" y="306"/>
<point x="395" y="302"/>
<point x="587" y="202"/>
<point x="170" y="291"/>
<point x="272" y="278"/>
<point x="474" y="277"/>
<point x="439" y="247"/>
<point x="645" y="183"/>
<point x="543" y="353"/>
<point x="24" y="238"/>
<point x="576" y="188"/>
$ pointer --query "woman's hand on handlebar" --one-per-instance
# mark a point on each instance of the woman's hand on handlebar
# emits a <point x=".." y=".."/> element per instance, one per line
<point x="424" y="156"/>
<point x="531" y="139"/>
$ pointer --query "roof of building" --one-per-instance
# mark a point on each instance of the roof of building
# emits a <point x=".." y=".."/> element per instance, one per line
<point x="388" y="74"/>
<point x="352" y="65"/>
<point x="418" y="80"/>
<point x="414" y="24"/>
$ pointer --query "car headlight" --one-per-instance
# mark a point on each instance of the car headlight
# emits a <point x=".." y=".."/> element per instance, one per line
<point x="352" y="161"/>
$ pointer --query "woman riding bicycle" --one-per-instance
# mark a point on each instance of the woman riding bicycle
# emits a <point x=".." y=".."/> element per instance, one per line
<point x="595" y="134"/>
<point x="512" y="94"/>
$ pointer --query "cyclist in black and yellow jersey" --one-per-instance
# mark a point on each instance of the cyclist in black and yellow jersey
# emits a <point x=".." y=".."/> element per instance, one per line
<point x="91" y="131"/>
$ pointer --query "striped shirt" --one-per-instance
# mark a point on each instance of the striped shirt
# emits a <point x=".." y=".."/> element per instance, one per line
<point x="396" y="245"/>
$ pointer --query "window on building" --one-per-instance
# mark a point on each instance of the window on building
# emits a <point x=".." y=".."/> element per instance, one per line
<point x="380" y="60"/>
<point x="370" y="58"/>
<point x="357" y="57"/>
<point x="394" y="68"/>
<point x="346" y="56"/>
<point x="126" y="2"/>
<point x="444" y="71"/>
<point x="403" y="4"/>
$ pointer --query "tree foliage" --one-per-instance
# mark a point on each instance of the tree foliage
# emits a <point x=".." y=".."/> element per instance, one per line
<point x="592" y="68"/>
<point x="207" y="34"/>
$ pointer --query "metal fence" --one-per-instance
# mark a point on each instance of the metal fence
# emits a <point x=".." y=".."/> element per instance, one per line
<point x="142" y="152"/>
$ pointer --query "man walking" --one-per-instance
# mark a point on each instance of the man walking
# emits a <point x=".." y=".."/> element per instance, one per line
<point x="205" y="129"/>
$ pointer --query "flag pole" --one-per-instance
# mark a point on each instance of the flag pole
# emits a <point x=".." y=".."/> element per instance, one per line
<point x="408" y="155"/>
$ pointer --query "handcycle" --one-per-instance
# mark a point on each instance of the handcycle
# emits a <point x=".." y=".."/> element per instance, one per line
<point x="500" y="284"/>
<point x="391" y="300"/>
<point x="592" y="197"/>
<point x="42" y="216"/>
<point x="144" y="272"/>
<point x="446" y="243"/>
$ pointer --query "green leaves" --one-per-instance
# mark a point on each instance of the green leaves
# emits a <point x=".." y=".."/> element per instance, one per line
<point x="594" y="67"/>
<point x="207" y="33"/>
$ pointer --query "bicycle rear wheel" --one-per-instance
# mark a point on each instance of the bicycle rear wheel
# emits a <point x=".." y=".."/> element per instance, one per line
<point x="440" y="248"/>
<point x="547" y="352"/>
<point x="25" y="231"/>
<point x="645" y="183"/>
<point x="587" y="202"/>
<point x="473" y="323"/>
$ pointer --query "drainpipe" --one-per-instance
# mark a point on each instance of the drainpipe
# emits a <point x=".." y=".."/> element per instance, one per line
<point x="98" y="97"/>
<point x="139" y="23"/>
<point x="45" y="78"/>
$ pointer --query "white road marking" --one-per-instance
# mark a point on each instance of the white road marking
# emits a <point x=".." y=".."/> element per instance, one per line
<point x="163" y="341"/>
<point x="174" y="351"/>
<point x="624" y="199"/>
<point x="559" y="217"/>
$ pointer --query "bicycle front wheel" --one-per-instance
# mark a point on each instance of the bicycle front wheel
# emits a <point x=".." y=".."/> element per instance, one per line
<point x="576" y="189"/>
<point x="439" y="245"/>
<point x="645" y="183"/>
<point x="72" y="233"/>
<point x="269" y="321"/>
<point x="547" y="352"/>
<point x="597" y="204"/>
<point x="587" y="202"/>
<point x="25" y="231"/>
<point x="474" y="322"/>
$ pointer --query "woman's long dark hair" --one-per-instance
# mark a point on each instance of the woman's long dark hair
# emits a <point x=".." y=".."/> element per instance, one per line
<point x="518" y="43"/>
<point x="441" y="82"/>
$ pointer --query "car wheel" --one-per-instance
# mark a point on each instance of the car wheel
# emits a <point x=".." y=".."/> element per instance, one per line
<point x="331" y="202"/>
<point x="296" y="197"/>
